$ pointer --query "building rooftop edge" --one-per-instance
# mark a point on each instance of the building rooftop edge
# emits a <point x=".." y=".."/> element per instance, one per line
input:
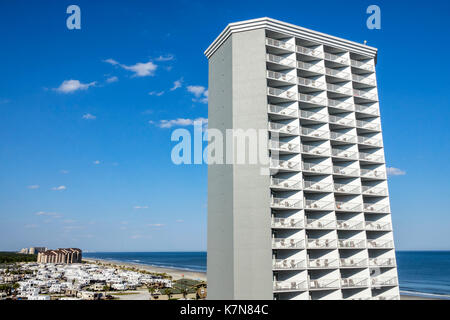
<point x="284" y="27"/>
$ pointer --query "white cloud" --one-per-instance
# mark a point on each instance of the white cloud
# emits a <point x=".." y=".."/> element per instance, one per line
<point x="156" y="93"/>
<point x="34" y="186"/>
<point x="89" y="116"/>
<point x="96" y="162"/>
<point x="64" y="171"/>
<point x="395" y="172"/>
<point x="155" y="225"/>
<point x="167" y="57"/>
<point x="59" y="188"/>
<point x="111" y="61"/>
<point x="140" y="69"/>
<point x="49" y="214"/>
<point x="140" y="207"/>
<point x="112" y="79"/>
<point x="179" y="221"/>
<point x="200" y="93"/>
<point x="180" y="122"/>
<point x="177" y="84"/>
<point x="31" y="226"/>
<point x="69" y="86"/>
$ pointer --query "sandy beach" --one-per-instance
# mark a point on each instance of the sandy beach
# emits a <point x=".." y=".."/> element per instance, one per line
<point x="175" y="273"/>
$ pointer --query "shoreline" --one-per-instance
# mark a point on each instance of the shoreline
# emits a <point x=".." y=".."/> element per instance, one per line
<point x="175" y="273"/>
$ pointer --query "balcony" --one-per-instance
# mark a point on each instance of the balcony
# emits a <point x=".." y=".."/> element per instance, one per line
<point x="335" y="58"/>
<point x="345" y="171"/>
<point x="368" y="125"/>
<point x="311" y="83"/>
<point x="289" y="286"/>
<point x="287" y="223"/>
<point x="341" y="105"/>
<point x="353" y="263"/>
<point x="382" y="262"/>
<point x="314" y="116"/>
<point x="279" y="44"/>
<point x="364" y="80"/>
<point x="282" y="94"/>
<point x="310" y="67"/>
<point x="288" y="264"/>
<point x="348" y="206"/>
<point x="349" y="283"/>
<point x="384" y="281"/>
<point x="352" y="244"/>
<point x="309" y="52"/>
<point x="365" y="95"/>
<point x="371" y="157"/>
<point x="376" y="208"/>
<point x="281" y="203"/>
<point x="339" y="89"/>
<point x="337" y="74"/>
<point x="312" y="99"/>
<point x="375" y="174"/>
<point x="339" y="153"/>
<point x="385" y="297"/>
<point x="374" y="191"/>
<point x="285" y="184"/>
<point x="283" y="112"/>
<point x="273" y="75"/>
<point x="324" y="284"/>
<point x="318" y="205"/>
<point x="341" y="121"/>
<point x="284" y="165"/>
<point x="380" y="244"/>
<point x="370" y="141"/>
<point x="350" y="225"/>
<point x="323" y="263"/>
<point x="371" y="110"/>
<point x="284" y="147"/>
<point x="280" y="60"/>
<point x="282" y="128"/>
<point x="288" y="243"/>
<point x="317" y="186"/>
<point x="315" y="151"/>
<point x="362" y="65"/>
<point x="314" y="133"/>
<point x="321" y="244"/>
<point x="316" y="168"/>
<point x="320" y="224"/>
<point x="346" y="188"/>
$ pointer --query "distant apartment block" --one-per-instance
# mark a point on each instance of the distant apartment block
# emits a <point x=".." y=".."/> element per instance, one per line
<point x="32" y="250"/>
<point x="319" y="225"/>
<point x="69" y="255"/>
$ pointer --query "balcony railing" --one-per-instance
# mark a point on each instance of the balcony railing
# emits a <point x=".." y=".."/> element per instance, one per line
<point x="384" y="281"/>
<point x="321" y="284"/>
<point x="378" y="226"/>
<point x="368" y="125"/>
<point x="339" y="89"/>
<point x="313" y="116"/>
<point x="309" y="51"/>
<point x="311" y="83"/>
<point x="286" y="184"/>
<point x="286" y="203"/>
<point x="365" y="94"/>
<point x="318" y="205"/>
<point x="287" y="223"/>
<point x="284" y="146"/>
<point x="279" y="44"/>
<point x="283" y="111"/>
<point x="320" y="151"/>
<point x="288" y="243"/>
<point x="323" y="263"/>
<point x="346" y="171"/>
<point x="370" y="141"/>
<point x="371" y="157"/>
<point x="362" y="65"/>
<point x="350" y="225"/>
<point x="285" y="94"/>
<point x="283" y="128"/>
<point x="377" y="208"/>
<point x="280" y="60"/>
<point x="382" y="262"/>
<point x="281" y="76"/>
<point x="372" y="110"/>
<point x="367" y="173"/>
<point x="320" y="224"/>
<point x="280" y="286"/>
<point x="340" y="104"/>
<point x="321" y="244"/>
<point x="288" y="264"/>
<point x="312" y="99"/>
<point x="310" y="67"/>
<point x="365" y="80"/>
<point x="380" y="244"/>
<point x="346" y="188"/>
<point x="335" y="58"/>
<point x="342" y="121"/>
<point x="354" y="282"/>
<point x="385" y="297"/>
<point x="347" y="206"/>
<point x="316" y="168"/>
<point x="352" y="244"/>
<point x="337" y="73"/>
<point x="375" y="191"/>
<point x="315" y="133"/>
<point x="353" y="263"/>
<point x="285" y="165"/>
<point x="339" y="153"/>
<point x="317" y="186"/>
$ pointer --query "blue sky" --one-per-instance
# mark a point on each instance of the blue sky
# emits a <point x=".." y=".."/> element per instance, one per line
<point x="86" y="163"/>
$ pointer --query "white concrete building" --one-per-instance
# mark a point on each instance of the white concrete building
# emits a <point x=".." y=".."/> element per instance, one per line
<point x="319" y="225"/>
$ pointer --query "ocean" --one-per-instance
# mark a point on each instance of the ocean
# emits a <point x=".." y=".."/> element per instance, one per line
<point x="420" y="272"/>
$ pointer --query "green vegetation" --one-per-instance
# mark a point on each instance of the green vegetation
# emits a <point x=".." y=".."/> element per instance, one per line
<point x="14" y="257"/>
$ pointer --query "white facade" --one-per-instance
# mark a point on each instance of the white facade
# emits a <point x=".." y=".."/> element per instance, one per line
<point x="328" y="214"/>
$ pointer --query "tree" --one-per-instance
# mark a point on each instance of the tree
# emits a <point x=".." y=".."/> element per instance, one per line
<point x="168" y="292"/>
